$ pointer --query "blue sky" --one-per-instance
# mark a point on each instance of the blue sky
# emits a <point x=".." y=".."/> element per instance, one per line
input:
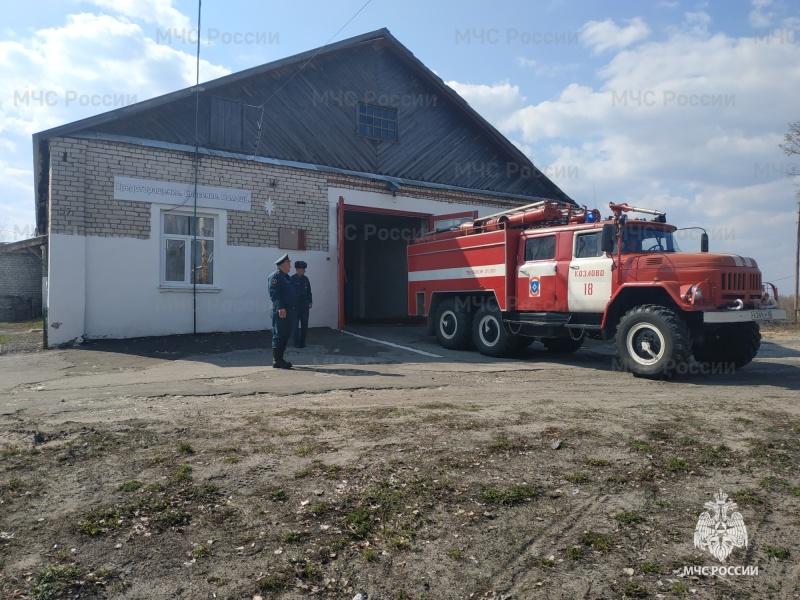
<point x="672" y="105"/>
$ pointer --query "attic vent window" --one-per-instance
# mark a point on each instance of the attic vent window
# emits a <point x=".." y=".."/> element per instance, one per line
<point x="227" y="124"/>
<point x="378" y="122"/>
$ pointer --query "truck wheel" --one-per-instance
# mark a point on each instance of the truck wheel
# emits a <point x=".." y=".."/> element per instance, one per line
<point x="652" y="341"/>
<point x="453" y="326"/>
<point x="726" y="346"/>
<point x="563" y="345"/>
<point x="490" y="334"/>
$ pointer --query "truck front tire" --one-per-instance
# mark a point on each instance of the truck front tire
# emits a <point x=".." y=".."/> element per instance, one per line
<point x="653" y="342"/>
<point x="728" y="347"/>
<point x="453" y="325"/>
<point x="490" y="334"/>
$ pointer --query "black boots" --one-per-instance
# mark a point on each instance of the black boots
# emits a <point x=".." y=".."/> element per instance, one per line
<point x="277" y="359"/>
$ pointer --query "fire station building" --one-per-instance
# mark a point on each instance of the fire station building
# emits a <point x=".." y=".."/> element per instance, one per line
<point x="166" y="216"/>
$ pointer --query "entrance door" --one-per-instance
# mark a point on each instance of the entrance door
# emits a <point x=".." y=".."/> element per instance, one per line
<point x="589" y="286"/>
<point x="373" y="263"/>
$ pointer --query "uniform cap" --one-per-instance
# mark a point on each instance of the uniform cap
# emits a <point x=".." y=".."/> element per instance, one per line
<point x="282" y="259"/>
<point x="300" y="264"/>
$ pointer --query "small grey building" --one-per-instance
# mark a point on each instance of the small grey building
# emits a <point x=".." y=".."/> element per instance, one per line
<point x="21" y="271"/>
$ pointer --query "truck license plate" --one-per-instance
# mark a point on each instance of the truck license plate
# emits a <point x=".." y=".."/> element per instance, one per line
<point x="760" y="315"/>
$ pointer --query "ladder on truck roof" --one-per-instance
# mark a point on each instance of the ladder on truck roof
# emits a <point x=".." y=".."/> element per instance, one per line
<point x="542" y="213"/>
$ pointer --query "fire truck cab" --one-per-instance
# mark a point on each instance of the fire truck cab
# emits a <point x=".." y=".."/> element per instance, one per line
<point x="557" y="273"/>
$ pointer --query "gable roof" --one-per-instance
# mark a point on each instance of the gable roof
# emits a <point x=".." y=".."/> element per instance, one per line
<point x="288" y="68"/>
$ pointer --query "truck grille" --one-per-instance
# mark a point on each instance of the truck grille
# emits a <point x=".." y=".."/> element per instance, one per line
<point x="740" y="282"/>
<point x="740" y="285"/>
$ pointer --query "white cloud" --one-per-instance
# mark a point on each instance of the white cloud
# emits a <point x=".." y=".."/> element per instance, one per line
<point x="696" y="23"/>
<point x="690" y="125"/>
<point x="760" y="16"/>
<point x="545" y="70"/>
<point x="91" y="64"/>
<point x="493" y="102"/>
<point x="159" y="12"/>
<point x="604" y="35"/>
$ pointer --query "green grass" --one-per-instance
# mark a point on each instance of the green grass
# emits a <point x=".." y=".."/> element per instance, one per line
<point x="598" y="541"/>
<point x="575" y="553"/>
<point x="130" y="486"/>
<point x="650" y="568"/>
<point x="577" y="478"/>
<point x="634" y="590"/>
<point x="172" y="518"/>
<point x="547" y="563"/>
<point x="598" y="462"/>
<point x="370" y="555"/>
<point x="185" y="448"/>
<point x="640" y="446"/>
<point x="747" y="498"/>
<point x="360" y="522"/>
<point x="292" y="537"/>
<point x="274" y="583"/>
<point x="628" y="518"/>
<point x="676" y="464"/>
<point x="679" y="588"/>
<point x="201" y="551"/>
<point x="778" y="552"/>
<point x="302" y="450"/>
<point x="200" y="493"/>
<point x="69" y="581"/>
<point x="14" y="484"/>
<point x="503" y="444"/>
<point x="277" y="495"/>
<point x="182" y="474"/>
<point x="10" y="451"/>
<point x="318" y="509"/>
<point x="99" y="521"/>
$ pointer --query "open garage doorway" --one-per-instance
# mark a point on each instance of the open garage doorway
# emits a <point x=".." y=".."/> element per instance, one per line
<point x="373" y="245"/>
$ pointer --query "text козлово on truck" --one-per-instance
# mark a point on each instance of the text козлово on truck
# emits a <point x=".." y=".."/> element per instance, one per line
<point x="555" y="272"/>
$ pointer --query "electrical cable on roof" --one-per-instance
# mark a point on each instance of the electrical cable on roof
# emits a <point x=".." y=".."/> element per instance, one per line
<point x="320" y="49"/>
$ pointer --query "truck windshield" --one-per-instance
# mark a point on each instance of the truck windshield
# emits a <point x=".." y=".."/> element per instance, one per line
<point x="647" y="239"/>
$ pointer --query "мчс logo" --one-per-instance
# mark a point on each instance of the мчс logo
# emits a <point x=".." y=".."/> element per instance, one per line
<point x="720" y="529"/>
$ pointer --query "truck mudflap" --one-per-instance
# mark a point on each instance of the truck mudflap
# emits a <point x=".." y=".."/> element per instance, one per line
<point x="744" y="315"/>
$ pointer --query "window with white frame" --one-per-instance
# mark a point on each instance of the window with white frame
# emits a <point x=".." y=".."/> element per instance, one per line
<point x="187" y="258"/>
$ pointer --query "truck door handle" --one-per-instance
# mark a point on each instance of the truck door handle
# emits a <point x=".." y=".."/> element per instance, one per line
<point x="575" y="267"/>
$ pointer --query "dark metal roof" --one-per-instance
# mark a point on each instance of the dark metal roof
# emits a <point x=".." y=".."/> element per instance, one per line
<point x="22" y="244"/>
<point x="304" y="110"/>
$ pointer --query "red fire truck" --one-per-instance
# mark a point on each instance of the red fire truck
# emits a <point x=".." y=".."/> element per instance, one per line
<point x="557" y="273"/>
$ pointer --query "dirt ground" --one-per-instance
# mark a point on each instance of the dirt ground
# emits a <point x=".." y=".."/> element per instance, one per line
<point x="186" y="467"/>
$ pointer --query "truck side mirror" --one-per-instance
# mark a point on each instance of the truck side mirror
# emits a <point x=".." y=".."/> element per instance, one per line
<point x="704" y="242"/>
<point x="607" y="241"/>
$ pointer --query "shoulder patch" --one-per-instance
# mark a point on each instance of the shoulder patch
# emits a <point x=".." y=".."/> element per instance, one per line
<point x="274" y="281"/>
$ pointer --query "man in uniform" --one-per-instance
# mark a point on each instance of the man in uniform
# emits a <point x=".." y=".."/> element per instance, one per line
<point x="302" y="288"/>
<point x="284" y="302"/>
